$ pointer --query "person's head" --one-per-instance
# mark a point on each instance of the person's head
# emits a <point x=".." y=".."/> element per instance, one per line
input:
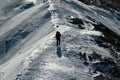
<point x="57" y="32"/>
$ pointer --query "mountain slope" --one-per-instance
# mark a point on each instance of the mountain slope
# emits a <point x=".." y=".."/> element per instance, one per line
<point x="28" y="47"/>
<point x="111" y="5"/>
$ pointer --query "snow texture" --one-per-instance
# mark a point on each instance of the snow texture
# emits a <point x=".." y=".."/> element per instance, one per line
<point x="31" y="52"/>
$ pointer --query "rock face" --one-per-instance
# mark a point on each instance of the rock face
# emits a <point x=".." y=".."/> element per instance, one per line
<point x="108" y="67"/>
<point x="106" y="4"/>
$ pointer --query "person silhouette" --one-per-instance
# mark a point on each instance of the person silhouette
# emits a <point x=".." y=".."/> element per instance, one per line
<point x="58" y="35"/>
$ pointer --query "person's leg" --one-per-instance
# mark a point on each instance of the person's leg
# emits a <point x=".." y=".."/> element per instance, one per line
<point x="59" y="41"/>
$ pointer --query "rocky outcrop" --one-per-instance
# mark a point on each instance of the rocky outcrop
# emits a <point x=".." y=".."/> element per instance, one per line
<point x="106" y="4"/>
<point x="105" y="68"/>
<point x="108" y="67"/>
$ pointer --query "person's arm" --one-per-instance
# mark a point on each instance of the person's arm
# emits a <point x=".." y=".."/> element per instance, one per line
<point x="60" y="35"/>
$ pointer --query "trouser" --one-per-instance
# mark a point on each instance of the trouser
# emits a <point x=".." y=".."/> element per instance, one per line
<point x="58" y="42"/>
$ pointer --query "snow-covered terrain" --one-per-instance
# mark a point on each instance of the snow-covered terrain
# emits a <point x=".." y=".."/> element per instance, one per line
<point x="28" y="48"/>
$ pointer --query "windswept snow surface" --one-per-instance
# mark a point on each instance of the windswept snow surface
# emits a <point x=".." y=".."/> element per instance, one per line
<point x="36" y="56"/>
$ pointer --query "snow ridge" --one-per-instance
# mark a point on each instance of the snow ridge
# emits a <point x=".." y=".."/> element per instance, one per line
<point x="36" y="56"/>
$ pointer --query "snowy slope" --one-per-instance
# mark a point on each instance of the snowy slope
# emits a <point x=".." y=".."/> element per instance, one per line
<point x="28" y="48"/>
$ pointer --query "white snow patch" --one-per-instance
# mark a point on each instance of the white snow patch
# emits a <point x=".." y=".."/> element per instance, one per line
<point x="54" y="67"/>
<point x="97" y="33"/>
<point x="34" y="1"/>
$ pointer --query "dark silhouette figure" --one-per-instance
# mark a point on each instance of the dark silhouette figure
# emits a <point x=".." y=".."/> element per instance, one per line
<point x="58" y="35"/>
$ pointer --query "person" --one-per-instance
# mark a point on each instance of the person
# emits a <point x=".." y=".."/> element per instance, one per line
<point x="58" y="35"/>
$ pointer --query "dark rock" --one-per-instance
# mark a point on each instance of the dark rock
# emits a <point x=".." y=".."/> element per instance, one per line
<point x="78" y="22"/>
<point x="90" y="58"/>
<point x="80" y="26"/>
<point x="28" y="5"/>
<point x="24" y="34"/>
<point x="110" y="5"/>
<point x="86" y="63"/>
<point x="112" y="38"/>
<point x="84" y="56"/>
<point x="108" y="67"/>
<point x="109" y="61"/>
<point x="80" y="55"/>
<point x="100" y="77"/>
<point x="96" y="56"/>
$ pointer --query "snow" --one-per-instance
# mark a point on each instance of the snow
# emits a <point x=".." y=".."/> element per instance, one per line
<point x="83" y="32"/>
<point x="34" y="1"/>
<point x="18" y="19"/>
<point x="36" y="57"/>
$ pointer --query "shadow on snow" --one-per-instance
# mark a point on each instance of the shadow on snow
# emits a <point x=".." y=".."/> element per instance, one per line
<point x="59" y="53"/>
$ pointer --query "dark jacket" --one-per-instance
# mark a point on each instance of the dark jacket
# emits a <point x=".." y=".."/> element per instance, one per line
<point x="58" y="35"/>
